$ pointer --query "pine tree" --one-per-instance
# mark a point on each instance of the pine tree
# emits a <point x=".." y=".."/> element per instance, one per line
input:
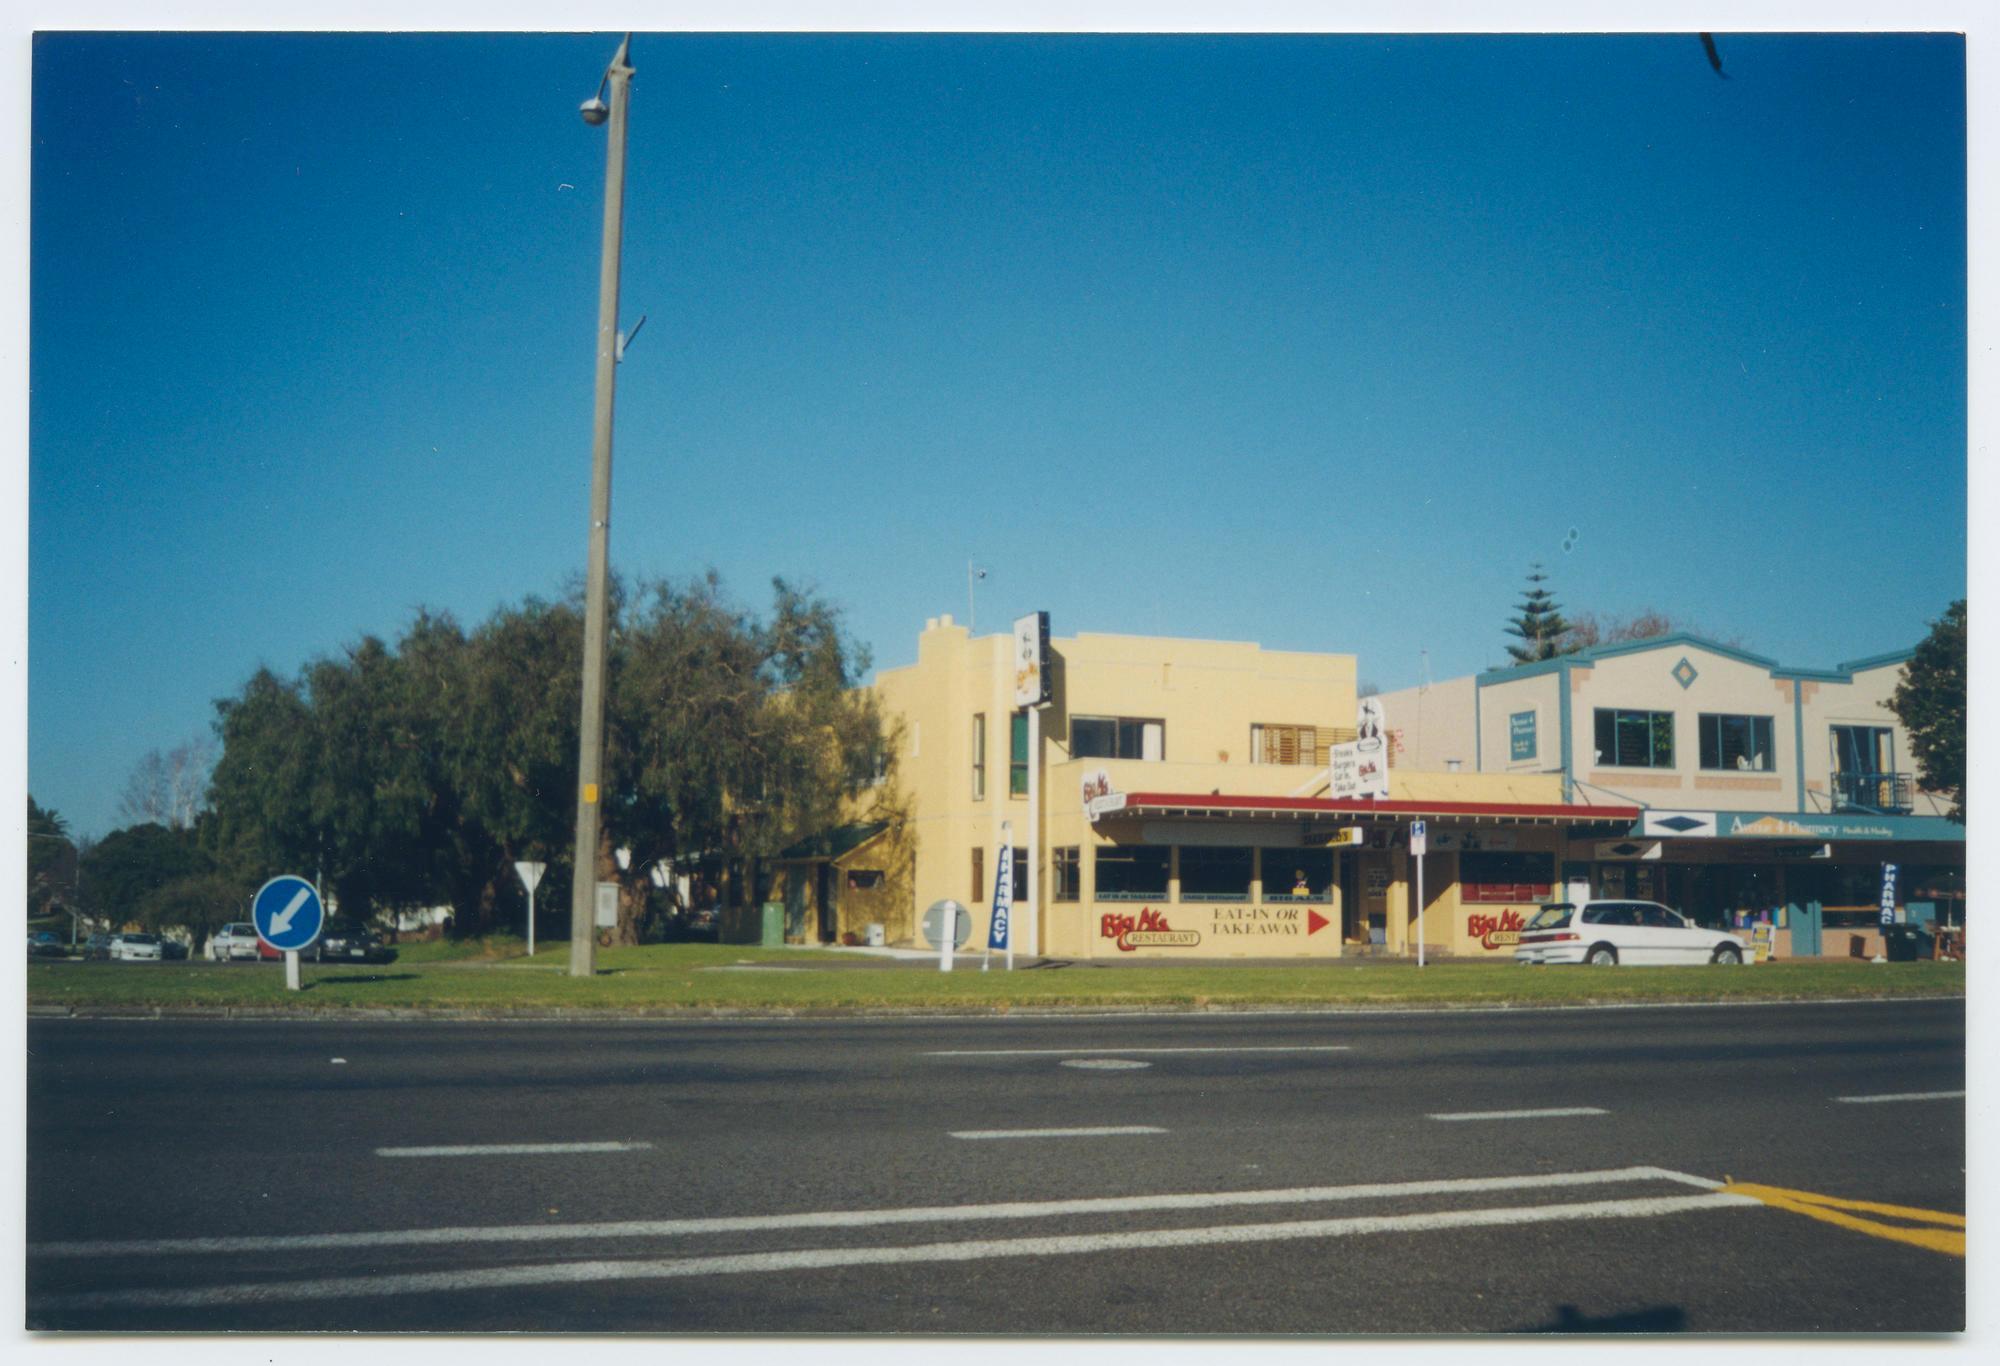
<point x="1540" y="627"/>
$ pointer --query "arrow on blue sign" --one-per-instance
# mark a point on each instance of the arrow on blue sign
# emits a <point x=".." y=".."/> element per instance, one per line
<point x="288" y="912"/>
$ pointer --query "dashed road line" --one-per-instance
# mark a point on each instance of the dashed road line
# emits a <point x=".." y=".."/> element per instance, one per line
<point x="1103" y="1131"/>
<point x="1903" y="1095"/>
<point x="1103" y="1049"/>
<point x="509" y="1149"/>
<point x="1562" y="1113"/>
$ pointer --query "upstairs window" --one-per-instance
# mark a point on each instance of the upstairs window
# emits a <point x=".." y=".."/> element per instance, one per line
<point x="1635" y="739"/>
<point x="1116" y="737"/>
<point x="1287" y="744"/>
<point x="1737" y="743"/>
<point x="979" y="756"/>
<point x="1017" y="755"/>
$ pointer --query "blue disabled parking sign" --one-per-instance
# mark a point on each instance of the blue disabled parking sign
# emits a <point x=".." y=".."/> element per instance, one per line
<point x="288" y="912"/>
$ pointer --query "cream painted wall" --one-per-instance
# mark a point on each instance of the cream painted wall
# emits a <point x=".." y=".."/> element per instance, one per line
<point x="1434" y="725"/>
<point x="1498" y="703"/>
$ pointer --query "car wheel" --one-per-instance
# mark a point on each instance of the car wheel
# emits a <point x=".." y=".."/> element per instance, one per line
<point x="1728" y="955"/>
<point x="1602" y="956"/>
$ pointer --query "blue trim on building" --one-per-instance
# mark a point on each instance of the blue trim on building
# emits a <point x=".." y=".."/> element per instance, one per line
<point x="1798" y="740"/>
<point x="1562" y="702"/>
<point x="1840" y="673"/>
<point x="1789" y="825"/>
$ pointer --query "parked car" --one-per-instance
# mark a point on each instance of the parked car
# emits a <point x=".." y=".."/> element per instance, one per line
<point x="1634" y="933"/>
<point x="233" y="941"/>
<point x="135" y="948"/>
<point x="172" y="949"/>
<point x="44" y="944"/>
<point x="348" y="941"/>
<point x="98" y="945"/>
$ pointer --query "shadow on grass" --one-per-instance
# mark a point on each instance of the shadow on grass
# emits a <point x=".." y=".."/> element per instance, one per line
<point x="365" y="979"/>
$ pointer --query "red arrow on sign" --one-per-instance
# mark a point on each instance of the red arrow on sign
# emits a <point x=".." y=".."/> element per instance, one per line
<point x="1315" y="922"/>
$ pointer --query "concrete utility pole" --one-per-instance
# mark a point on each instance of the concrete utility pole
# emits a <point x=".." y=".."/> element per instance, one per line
<point x="590" y="758"/>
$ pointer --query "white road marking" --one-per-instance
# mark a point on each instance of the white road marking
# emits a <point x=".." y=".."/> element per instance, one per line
<point x="1104" y="1064"/>
<point x="869" y="1218"/>
<point x="1101" y="1049"/>
<point x="1906" y="1095"/>
<point x="1106" y="1131"/>
<point x="572" y="1273"/>
<point x="509" y="1149"/>
<point x="1522" y="1114"/>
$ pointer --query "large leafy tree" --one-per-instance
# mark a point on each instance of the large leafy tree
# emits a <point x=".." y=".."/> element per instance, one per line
<point x="51" y="859"/>
<point x="129" y="865"/>
<point x="1930" y="702"/>
<point x="1539" y="624"/>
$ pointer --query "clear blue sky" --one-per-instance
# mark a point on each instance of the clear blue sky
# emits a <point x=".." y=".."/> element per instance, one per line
<point x="1316" y="342"/>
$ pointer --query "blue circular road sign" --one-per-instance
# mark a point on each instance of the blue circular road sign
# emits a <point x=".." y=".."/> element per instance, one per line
<point x="288" y="912"/>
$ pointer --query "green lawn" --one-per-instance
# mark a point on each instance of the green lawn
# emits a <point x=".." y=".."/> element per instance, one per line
<point x="496" y="976"/>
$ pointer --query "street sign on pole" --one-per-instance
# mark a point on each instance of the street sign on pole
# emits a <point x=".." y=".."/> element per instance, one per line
<point x="289" y="915"/>
<point x="1419" y="837"/>
<point x="531" y="877"/>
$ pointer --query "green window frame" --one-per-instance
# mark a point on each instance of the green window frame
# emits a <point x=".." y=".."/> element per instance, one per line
<point x="1017" y="751"/>
<point x="1634" y="739"/>
<point x="1737" y="744"/>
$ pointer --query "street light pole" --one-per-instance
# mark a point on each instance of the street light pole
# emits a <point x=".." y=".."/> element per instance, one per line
<point x="590" y="757"/>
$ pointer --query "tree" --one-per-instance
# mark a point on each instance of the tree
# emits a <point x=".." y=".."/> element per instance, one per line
<point x="1648" y="623"/>
<point x="1540" y="626"/>
<point x="51" y="860"/>
<point x="200" y="904"/>
<point x="128" y="865"/>
<point x="169" y="789"/>
<point x="1930" y="702"/>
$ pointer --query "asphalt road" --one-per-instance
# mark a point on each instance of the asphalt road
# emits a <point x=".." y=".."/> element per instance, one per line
<point x="1260" y="1174"/>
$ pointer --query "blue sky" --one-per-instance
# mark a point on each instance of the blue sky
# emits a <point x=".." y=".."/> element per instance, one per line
<point x="1313" y="341"/>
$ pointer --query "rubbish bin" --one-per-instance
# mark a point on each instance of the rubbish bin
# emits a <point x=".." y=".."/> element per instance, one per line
<point x="1904" y="943"/>
<point x="877" y="936"/>
<point x="774" y="925"/>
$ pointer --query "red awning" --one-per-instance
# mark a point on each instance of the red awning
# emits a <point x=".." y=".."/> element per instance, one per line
<point x="1216" y="805"/>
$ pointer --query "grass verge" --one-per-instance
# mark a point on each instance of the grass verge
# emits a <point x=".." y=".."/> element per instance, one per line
<point x="667" y="978"/>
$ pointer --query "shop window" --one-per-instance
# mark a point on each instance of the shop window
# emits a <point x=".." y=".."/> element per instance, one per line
<point x="1635" y="739"/>
<point x="1215" y="874"/>
<point x="1116" y="737"/>
<point x="1017" y="755"/>
<point x="1066" y="874"/>
<point x="979" y="756"/>
<point x="1298" y="875"/>
<point x="863" y="879"/>
<point x="1741" y="743"/>
<point x="1024" y="882"/>
<point x="1132" y="873"/>
<point x="1272" y="744"/>
<point x="1488" y="876"/>
<point x="1863" y="749"/>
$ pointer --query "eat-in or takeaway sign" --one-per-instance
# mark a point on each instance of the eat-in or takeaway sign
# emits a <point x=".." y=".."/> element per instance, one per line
<point x="288" y="913"/>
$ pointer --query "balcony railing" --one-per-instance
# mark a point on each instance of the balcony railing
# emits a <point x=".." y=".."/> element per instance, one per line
<point x="1884" y="794"/>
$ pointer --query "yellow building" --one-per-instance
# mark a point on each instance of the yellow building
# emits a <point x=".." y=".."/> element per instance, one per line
<point x="1208" y="830"/>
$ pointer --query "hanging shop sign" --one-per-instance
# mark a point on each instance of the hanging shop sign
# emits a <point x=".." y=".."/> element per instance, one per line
<point x="1626" y="849"/>
<point x="1677" y="824"/>
<point x="1360" y="768"/>
<point x="1031" y="661"/>
<point x="1099" y="798"/>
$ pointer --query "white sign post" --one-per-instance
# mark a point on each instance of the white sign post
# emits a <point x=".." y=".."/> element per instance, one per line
<point x="531" y="876"/>
<point x="1418" y="833"/>
<point x="1034" y="689"/>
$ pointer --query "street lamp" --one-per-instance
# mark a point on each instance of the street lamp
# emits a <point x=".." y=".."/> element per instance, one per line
<point x="590" y="757"/>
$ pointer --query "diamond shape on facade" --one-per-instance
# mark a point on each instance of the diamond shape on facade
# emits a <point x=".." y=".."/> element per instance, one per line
<point x="1680" y="823"/>
<point x="1684" y="673"/>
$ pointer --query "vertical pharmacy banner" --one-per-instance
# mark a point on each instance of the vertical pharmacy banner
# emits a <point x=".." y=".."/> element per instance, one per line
<point x="1888" y="894"/>
<point x="1003" y="891"/>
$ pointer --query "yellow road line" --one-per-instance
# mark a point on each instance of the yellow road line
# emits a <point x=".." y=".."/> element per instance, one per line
<point x="1830" y="1209"/>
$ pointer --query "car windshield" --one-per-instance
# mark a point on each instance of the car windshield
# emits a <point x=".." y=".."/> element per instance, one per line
<point x="1551" y="917"/>
<point x="141" y="939"/>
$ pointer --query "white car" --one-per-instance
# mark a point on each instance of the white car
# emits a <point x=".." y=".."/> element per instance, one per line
<point x="135" y="948"/>
<point x="233" y="941"/>
<point x="1635" y="933"/>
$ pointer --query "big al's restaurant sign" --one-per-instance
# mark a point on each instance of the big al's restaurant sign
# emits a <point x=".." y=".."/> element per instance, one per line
<point x="1500" y="930"/>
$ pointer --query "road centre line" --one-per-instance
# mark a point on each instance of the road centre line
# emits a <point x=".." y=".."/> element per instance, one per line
<point x="510" y="1149"/>
<point x="871" y="1218"/>
<point x="1104" y="1131"/>
<point x="1521" y="1114"/>
<point x="1115" y="1051"/>
<point x="592" y="1272"/>
<point x="1906" y="1095"/>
